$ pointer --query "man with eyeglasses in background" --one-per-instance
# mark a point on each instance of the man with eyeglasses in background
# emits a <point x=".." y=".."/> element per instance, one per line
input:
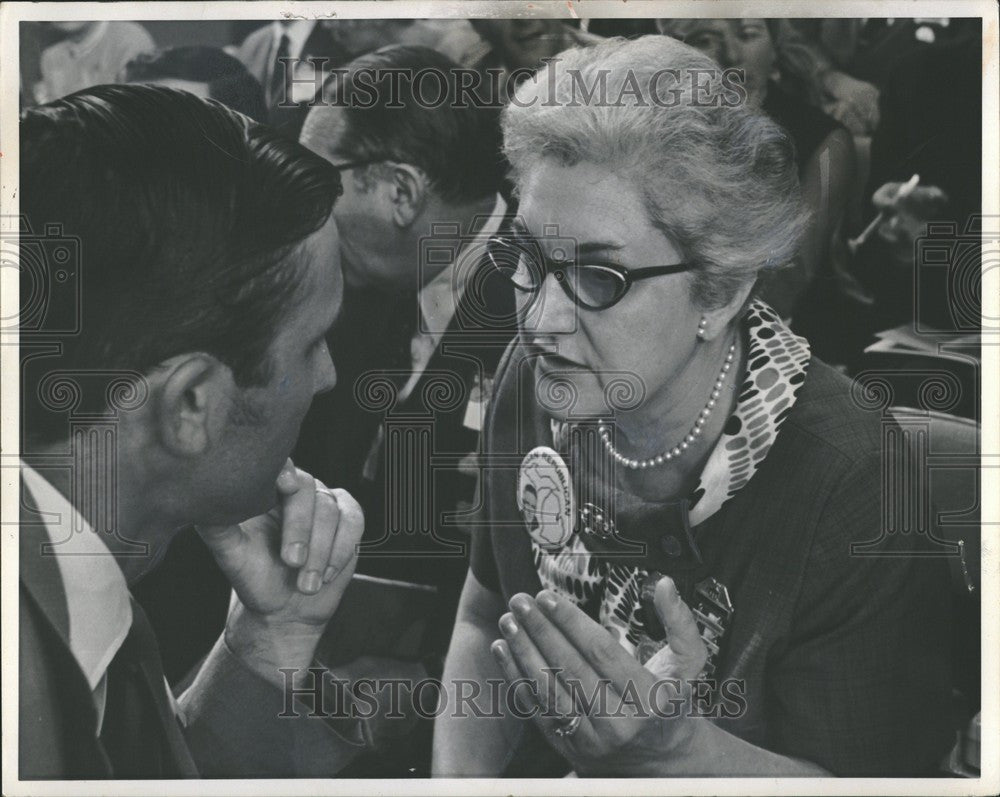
<point x="426" y="318"/>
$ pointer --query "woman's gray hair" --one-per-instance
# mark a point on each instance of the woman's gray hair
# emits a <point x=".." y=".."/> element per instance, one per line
<point x="718" y="178"/>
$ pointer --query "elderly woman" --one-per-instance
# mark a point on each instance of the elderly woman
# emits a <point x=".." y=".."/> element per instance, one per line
<point x="672" y="483"/>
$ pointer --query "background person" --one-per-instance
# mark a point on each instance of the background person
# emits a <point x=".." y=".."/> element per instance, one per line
<point x="291" y="81"/>
<point x="406" y="170"/>
<point x="205" y="71"/>
<point x="779" y="80"/>
<point x="518" y="46"/>
<point x="90" y="53"/>
<point x="931" y="110"/>
<point x="453" y="38"/>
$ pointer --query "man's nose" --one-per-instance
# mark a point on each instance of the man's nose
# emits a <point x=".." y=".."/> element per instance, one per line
<point x="326" y="380"/>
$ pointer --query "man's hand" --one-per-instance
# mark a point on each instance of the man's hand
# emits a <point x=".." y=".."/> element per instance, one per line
<point x="289" y="569"/>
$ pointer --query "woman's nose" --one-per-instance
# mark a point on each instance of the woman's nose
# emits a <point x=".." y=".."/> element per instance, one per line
<point x="552" y="312"/>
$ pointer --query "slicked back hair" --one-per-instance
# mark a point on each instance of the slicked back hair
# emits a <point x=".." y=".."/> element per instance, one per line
<point x="189" y="219"/>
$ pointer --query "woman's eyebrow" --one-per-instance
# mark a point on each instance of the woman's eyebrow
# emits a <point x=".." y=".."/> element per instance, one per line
<point x="590" y="247"/>
<point x="584" y="248"/>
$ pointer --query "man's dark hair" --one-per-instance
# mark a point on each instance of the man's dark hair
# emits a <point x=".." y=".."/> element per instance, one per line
<point x="188" y="218"/>
<point x="228" y="79"/>
<point x="454" y="139"/>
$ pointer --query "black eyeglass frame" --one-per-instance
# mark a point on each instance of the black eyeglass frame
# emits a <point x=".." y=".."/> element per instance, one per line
<point x="628" y="276"/>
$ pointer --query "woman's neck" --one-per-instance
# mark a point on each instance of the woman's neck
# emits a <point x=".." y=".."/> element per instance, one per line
<point x="668" y="418"/>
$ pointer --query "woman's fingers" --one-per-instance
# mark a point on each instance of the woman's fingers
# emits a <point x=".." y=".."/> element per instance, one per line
<point x="554" y="647"/>
<point x="685" y="653"/>
<point x="605" y="683"/>
<point x="523" y="693"/>
<point x="592" y="642"/>
<point x="519" y="657"/>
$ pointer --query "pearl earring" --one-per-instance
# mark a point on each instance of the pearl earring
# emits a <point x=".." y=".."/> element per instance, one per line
<point x="701" y="327"/>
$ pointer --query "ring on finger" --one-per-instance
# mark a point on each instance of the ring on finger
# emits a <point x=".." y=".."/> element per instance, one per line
<point x="568" y="725"/>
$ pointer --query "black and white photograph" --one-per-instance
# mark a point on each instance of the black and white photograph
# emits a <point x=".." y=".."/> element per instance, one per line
<point x="577" y="397"/>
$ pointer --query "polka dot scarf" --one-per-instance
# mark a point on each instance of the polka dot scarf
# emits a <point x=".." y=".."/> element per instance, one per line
<point x="776" y="369"/>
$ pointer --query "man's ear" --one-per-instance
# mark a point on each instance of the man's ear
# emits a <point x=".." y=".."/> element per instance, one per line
<point x="194" y="402"/>
<point x="718" y="321"/>
<point x="408" y="193"/>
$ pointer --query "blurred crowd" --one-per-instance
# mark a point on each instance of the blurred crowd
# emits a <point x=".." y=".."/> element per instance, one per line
<point x="869" y="103"/>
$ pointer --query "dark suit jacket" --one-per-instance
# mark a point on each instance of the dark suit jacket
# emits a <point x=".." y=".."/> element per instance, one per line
<point x="229" y="724"/>
<point x="256" y="53"/>
<point x="417" y="483"/>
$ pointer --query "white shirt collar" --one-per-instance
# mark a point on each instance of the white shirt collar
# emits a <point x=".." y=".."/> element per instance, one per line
<point x="297" y="32"/>
<point x="439" y="296"/>
<point x="97" y="597"/>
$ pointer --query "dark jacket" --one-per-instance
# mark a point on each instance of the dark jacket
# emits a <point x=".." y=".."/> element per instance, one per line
<point x="228" y="724"/>
<point x="839" y="635"/>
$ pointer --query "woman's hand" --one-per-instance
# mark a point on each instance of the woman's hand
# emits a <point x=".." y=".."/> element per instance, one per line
<point x="569" y="667"/>
<point x="685" y="654"/>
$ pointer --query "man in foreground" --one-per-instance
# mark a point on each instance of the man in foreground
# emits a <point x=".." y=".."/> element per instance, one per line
<point x="208" y="275"/>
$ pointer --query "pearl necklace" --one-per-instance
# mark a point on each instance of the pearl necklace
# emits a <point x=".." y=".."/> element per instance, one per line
<point x="681" y="447"/>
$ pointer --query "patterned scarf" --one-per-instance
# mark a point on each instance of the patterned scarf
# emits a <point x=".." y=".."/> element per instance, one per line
<point x="776" y="369"/>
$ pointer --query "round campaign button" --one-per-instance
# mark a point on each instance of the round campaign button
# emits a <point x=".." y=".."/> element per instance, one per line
<point x="545" y="497"/>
